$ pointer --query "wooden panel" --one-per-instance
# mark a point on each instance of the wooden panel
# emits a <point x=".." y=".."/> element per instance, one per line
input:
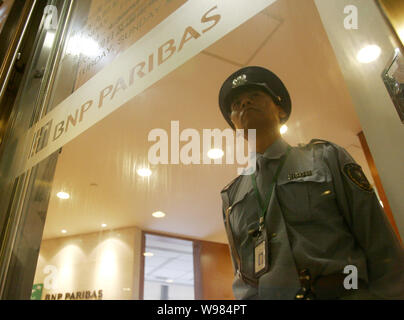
<point x="142" y="261"/>
<point x="378" y="183"/>
<point x="215" y="271"/>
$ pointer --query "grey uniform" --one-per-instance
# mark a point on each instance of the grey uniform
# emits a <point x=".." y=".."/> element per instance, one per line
<point x="321" y="217"/>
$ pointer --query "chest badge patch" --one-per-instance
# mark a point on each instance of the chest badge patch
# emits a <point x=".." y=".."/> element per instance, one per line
<point x="356" y="175"/>
<point x="296" y="175"/>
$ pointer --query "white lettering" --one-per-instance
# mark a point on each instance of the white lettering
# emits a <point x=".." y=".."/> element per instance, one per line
<point x="51" y="19"/>
<point x="351" y="280"/>
<point x="161" y="147"/>
<point x="351" y="21"/>
<point x="192" y="147"/>
<point x="50" y="282"/>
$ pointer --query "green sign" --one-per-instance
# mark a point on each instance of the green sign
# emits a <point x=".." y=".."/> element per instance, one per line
<point x="37" y="291"/>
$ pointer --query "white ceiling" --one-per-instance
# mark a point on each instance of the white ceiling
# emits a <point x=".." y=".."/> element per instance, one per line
<point x="172" y="259"/>
<point x="98" y="167"/>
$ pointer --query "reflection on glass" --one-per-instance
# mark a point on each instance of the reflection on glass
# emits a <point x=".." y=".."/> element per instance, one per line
<point x="90" y="245"/>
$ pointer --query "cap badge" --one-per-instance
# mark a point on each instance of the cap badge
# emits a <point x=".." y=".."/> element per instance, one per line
<point x="239" y="81"/>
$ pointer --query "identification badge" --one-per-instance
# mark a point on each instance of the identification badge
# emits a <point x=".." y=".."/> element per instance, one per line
<point x="261" y="254"/>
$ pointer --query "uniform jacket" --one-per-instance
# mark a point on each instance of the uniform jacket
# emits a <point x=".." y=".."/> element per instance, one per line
<point x="322" y="216"/>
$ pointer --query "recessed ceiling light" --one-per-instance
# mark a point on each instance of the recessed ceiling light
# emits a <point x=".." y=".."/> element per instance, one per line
<point x="215" y="153"/>
<point x="144" y="172"/>
<point x="158" y="214"/>
<point x="64" y="231"/>
<point x="148" y="254"/>
<point x="368" y="54"/>
<point x="169" y="280"/>
<point x="103" y="225"/>
<point x="63" y="195"/>
<point x="283" y="129"/>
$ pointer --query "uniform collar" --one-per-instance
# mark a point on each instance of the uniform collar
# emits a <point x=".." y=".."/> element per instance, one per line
<point x="275" y="150"/>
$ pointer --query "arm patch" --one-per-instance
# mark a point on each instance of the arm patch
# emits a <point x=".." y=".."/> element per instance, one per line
<point x="354" y="172"/>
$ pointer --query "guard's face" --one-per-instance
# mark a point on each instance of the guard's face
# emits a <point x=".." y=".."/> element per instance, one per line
<point x="254" y="109"/>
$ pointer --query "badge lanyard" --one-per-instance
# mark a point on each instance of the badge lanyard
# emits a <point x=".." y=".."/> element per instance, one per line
<point x="264" y="206"/>
<point x="261" y="245"/>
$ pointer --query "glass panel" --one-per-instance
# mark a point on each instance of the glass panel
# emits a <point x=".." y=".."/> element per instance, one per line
<point x="24" y="205"/>
<point x="169" y="269"/>
<point x="161" y="81"/>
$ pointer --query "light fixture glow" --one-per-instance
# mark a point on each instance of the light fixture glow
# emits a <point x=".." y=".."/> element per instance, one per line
<point x="158" y="214"/>
<point x="144" y="172"/>
<point x="368" y="54"/>
<point x="82" y="45"/>
<point x="215" y="153"/>
<point x="103" y="225"/>
<point x="169" y="280"/>
<point x="63" y="195"/>
<point x="148" y="254"/>
<point x="49" y="38"/>
<point x="283" y="129"/>
<point x="64" y="231"/>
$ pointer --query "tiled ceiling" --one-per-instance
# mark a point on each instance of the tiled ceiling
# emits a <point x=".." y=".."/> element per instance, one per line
<point x="171" y="262"/>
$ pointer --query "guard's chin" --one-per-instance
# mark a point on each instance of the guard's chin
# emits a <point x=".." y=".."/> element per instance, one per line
<point x="254" y="122"/>
<point x="260" y="125"/>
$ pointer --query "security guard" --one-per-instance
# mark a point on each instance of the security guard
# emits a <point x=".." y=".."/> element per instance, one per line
<point x="307" y="223"/>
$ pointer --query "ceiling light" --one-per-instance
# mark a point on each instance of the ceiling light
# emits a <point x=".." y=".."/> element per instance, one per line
<point x="283" y="129"/>
<point x="144" y="172"/>
<point x="169" y="280"/>
<point x="148" y="254"/>
<point x="64" y="231"/>
<point x="215" y="153"/>
<point x="158" y="214"/>
<point x="103" y="225"/>
<point x="368" y="54"/>
<point x="63" y="195"/>
<point x="82" y="45"/>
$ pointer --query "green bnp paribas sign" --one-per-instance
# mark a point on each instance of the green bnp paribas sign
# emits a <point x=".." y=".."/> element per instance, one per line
<point x="36" y="293"/>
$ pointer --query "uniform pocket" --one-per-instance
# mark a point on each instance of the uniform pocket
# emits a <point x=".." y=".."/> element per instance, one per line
<point x="301" y="200"/>
<point x="243" y="216"/>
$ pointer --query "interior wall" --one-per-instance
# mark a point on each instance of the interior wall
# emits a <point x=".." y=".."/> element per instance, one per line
<point x="377" y="115"/>
<point x="107" y="261"/>
<point x="110" y="261"/>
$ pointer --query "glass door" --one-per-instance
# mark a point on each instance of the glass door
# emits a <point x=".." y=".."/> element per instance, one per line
<point x="24" y="196"/>
<point x="114" y="122"/>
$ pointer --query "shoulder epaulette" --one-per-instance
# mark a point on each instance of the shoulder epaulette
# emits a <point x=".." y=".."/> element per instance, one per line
<point x="230" y="184"/>
<point x="313" y="141"/>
